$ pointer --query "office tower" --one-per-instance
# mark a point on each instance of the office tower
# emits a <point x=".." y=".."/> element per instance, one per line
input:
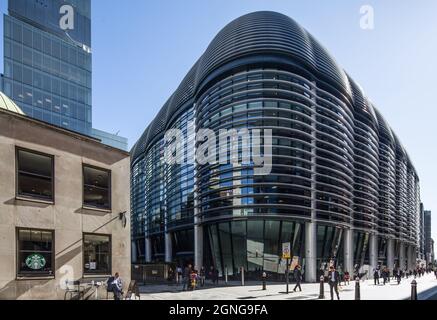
<point x="342" y="189"/>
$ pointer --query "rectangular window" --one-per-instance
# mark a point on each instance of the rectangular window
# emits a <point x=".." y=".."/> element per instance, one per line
<point x="35" y="175"/>
<point x="97" y="254"/>
<point x="96" y="188"/>
<point x="35" y="253"/>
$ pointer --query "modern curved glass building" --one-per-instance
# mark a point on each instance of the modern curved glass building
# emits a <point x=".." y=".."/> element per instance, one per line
<point x="342" y="187"/>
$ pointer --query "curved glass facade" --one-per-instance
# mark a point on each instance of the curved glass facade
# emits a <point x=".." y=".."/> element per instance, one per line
<point x="341" y="190"/>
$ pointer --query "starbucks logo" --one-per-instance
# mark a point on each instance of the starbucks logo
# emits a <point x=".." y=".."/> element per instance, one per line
<point x="35" y="262"/>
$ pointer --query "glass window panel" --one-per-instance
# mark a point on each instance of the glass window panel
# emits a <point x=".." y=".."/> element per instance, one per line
<point x="37" y="60"/>
<point x="37" y="41"/>
<point x="271" y="246"/>
<point x="17" y="53"/>
<point x="47" y="45"/>
<point x="226" y="246"/>
<point x="239" y="245"/>
<point x="255" y="245"/>
<point x="35" y="252"/>
<point x="27" y="56"/>
<point x="17" y="31"/>
<point x="97" y="254"/>
<point x="27" y="76"/>
<point x="34" y="175"/>
<point x="97" y="187"/>
<point x="27" y="37"/>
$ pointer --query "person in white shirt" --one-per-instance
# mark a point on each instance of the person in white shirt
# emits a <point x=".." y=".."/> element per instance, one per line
<point x="118" y="287"/>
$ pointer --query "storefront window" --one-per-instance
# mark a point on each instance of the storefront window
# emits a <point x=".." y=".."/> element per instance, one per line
<point x="35" y="253"/>
<point x="97" y="254"/>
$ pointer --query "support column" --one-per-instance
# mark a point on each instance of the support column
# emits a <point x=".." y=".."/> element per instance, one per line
<point x="390" y="254"/>
<point x="411" y="257"/>
<point x="311" y="252"/>
<point x="148" y="250"/>
<point x="198" y="227"/>
<point x="311" y="227"/>
<point x="373" y="252"/>
<point x="198" y="247"/>
<point x="348" y="251"/>
<point x="402" y="256"/>
<point x="134" y="251"/>
<point x="168" y="248"/>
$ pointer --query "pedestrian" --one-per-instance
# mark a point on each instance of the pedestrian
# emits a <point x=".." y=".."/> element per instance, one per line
<point x="347" y="278"/>
<point x="398" y="275"/>
<point x="179" y="275"/>
<point x="170" y="277"/>
<point x="216" y="276"/>
<point x="384" y="276"/>
<point x="297" y="273"/>
<point x="202" y="276"/>
<point x="186" y="277"/>
<point x="194" y="276"/>
<point x="357" y="271"/>
<point x="435" y="273"/>
<point x="211" y="274"/>
<point x="334" y="278"/>
<point x="376" y="276"/>
<point x="115" y="285"/>
<point x="341" y="273"/>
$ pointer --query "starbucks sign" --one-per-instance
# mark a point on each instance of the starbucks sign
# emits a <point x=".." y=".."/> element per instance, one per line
<point x="35" y="262"/>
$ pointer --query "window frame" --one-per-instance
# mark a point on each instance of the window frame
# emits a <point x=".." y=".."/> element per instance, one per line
<point x="96" y="274"/>
<point x="27" y="275"/>
<point x="29" y="197"/>
<point x="89" y="207"/>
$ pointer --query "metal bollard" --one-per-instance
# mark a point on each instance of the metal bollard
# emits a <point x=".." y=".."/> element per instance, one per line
<point x="414" y="290"/>
<point x="242" y="276"/>
<point x="264" y="277"/>
<point x="322" y="288"/>
<point x="226" y="275"/>
<point x="357" y="289"/>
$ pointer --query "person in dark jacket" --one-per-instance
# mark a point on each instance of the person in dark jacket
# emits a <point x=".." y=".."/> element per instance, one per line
<point x="334" y="279"/>
<point x="376" y="276"/>
<point x="186" y="277"/>
<point x="202" y="275"/>
<point x="398" y="274"/>
<point x="297" y="273"/>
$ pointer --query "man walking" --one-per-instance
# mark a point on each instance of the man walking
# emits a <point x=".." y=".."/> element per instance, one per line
<point x="385" y="275"/>
<point x="376" y="276"/>
<point x="334" y="278"/>
<point x="398" y="275"/>
<point x="297" y="273"/>
<point x="202" y="275"/>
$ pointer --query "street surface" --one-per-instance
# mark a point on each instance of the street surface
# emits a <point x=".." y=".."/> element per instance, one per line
<point x="427" y="290"/>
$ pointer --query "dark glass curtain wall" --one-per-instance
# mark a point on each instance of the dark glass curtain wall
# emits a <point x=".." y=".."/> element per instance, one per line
<point x="255" y="245"/>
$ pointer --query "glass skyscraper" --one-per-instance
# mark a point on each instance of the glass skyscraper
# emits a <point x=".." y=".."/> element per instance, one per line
<point x="48" y="63"/>
<point x="48" y="70"/>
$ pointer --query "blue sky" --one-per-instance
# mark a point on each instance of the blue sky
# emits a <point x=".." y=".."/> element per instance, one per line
<point x="143" y="49"/>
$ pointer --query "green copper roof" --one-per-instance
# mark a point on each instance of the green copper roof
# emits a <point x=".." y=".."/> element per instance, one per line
<point x="8" y="104"/>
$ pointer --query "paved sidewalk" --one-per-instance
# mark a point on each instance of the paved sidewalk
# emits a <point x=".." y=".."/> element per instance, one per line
<point x="427" y="287"/>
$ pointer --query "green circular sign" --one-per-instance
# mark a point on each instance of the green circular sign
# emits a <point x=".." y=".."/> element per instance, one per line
<point x="35" y="262"/>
